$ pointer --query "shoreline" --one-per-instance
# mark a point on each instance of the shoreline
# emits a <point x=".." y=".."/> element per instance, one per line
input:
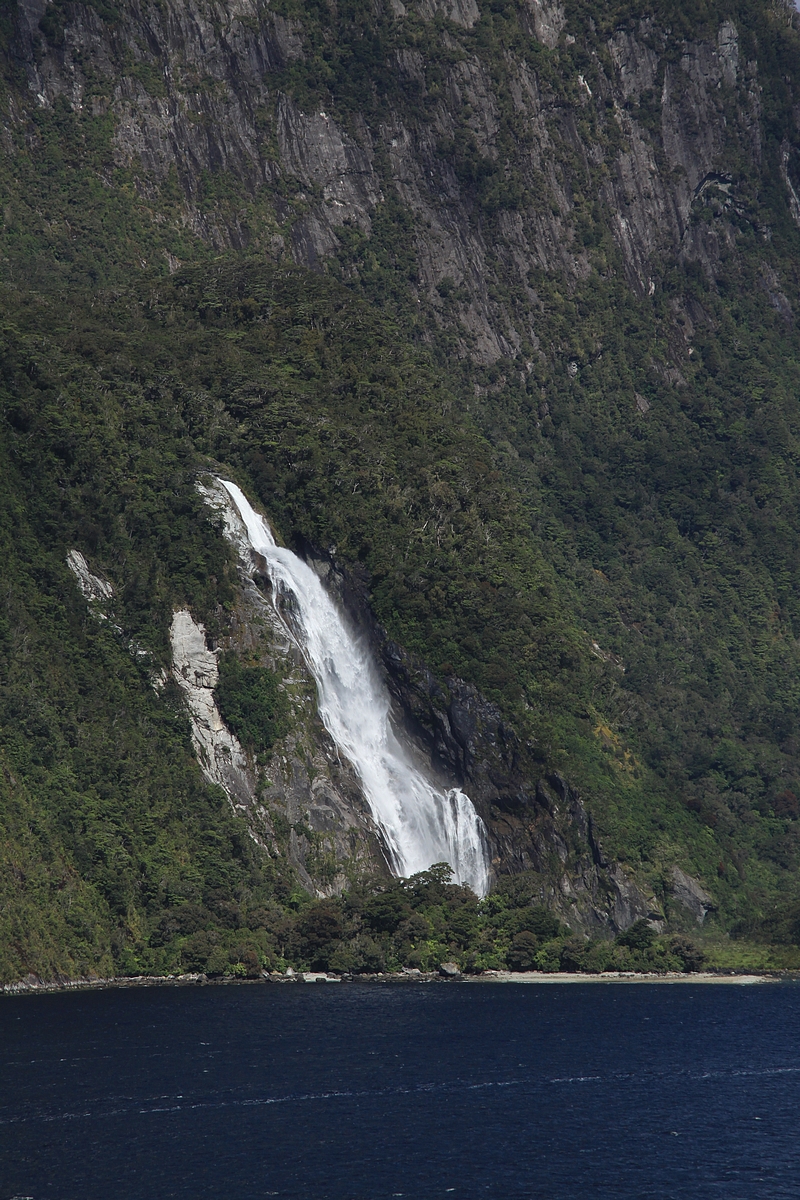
<point x="631" y="977"/>
<point x="34" y="986"/>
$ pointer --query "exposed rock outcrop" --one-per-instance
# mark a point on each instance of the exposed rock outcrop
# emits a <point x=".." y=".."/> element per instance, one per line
<point x="308" y="803"/>
<point x="194" y="668"/>
<point x="688" y="893"/>
<point x="506" y="178"/>
<point x="536" y="821"/>
<point x="316" y="151"/>
<point x="496" y="165"/>
<point x="94" y="589"/>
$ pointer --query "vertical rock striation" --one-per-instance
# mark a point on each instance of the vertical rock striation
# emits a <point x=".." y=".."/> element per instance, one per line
<point x="194" y="669"/>
<point x="495" y="163"/>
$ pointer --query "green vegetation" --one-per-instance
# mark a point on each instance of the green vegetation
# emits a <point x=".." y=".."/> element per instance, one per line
<point x="608" y="551"/>
<point x="252" y="704"/>
<point x="415" y="923"/>
<point x="107" y="821"/>
<point x="347" y="435"/>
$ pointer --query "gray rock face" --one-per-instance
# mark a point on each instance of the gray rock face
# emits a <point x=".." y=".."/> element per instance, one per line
<point x="688" y="893"/>
<point x="199" y="88"/>
<point x="316" y="151"/>
<point x="94" y="589"/>
<point x="547" y="21"/>
<point x="461" y="12"/>
<point x="657" y="131"/>
<point x="535" y="824"/>
<point x="194" y="668"/>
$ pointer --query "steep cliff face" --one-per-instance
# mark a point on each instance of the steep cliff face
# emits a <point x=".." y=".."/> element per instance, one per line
<point x="301" y="800"/>
<point x="509" y="153"/>
<point x="534" y="820"/>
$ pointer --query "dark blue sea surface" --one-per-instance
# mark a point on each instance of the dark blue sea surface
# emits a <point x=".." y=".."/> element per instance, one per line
<point x="362" y="1092"/>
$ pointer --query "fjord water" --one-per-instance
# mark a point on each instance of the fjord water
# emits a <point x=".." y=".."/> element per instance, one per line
<point x="370" y="1091"/>
<point x="421" y="823"/>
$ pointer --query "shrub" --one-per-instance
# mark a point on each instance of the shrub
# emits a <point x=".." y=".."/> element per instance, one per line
<point x="249" y="959"/>
<point x="548" y="958"/>
<point x="368" y="958"/>
<point x="540" y="921"/>
<point x="572" y="956"/>
<point x="384" y="912"/>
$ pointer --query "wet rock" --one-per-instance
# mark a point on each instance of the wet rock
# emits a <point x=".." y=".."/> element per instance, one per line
<point x="535" y="821"/>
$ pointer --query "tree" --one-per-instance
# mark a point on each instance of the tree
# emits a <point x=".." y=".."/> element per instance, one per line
<point x="317" y="934"/>
<point x="640" y="936"/>
<point x="523" y="950"/>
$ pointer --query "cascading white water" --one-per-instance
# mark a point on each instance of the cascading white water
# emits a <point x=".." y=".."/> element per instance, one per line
<point x="421" y="824"/>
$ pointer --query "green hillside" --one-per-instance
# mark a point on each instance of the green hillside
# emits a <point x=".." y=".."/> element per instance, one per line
<point x="603" y="542"/>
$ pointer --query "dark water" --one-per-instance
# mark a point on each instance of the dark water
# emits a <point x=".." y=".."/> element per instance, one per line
<point x="422" y="1091"/>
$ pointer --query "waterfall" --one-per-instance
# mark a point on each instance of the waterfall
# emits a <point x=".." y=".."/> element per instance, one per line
<point x="421" y="823"/>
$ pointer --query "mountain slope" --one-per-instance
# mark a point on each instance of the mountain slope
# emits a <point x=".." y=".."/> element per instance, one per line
<point x="496" y="300"/>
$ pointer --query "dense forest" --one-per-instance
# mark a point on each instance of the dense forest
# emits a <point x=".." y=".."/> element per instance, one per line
<point x="560" y="451"/>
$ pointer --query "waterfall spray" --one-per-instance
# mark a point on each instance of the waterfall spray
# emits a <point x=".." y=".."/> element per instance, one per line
<point x="420" y="822"/>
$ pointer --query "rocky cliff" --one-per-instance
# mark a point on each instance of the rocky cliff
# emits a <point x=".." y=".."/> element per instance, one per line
<point x="509" y="151"/>
<point x="535" y="823"/>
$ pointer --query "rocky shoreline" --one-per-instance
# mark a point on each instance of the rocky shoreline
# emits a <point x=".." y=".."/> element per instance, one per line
<point x="448" y="972"/>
